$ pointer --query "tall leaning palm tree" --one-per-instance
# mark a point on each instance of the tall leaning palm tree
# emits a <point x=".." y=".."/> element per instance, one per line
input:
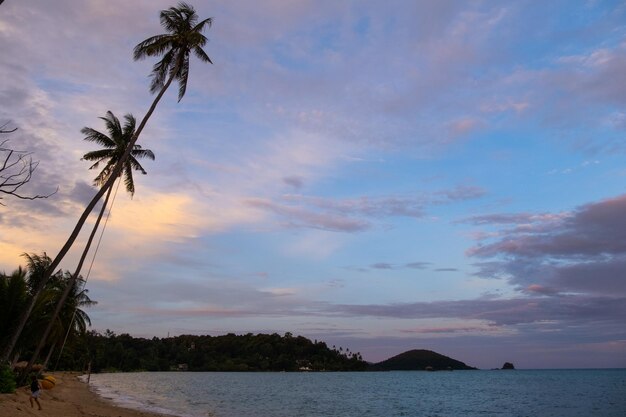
<point x="114" y="146"/>
<point x="184" y="35"/>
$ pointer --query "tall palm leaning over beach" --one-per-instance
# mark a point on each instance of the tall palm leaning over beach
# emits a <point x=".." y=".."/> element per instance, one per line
<point x="184" y="35"/>
<point x="114" y="146"/>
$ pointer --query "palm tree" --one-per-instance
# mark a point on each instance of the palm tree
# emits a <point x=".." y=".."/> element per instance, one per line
<point x="71" y="320"/>
<point x="184" y="35"/>
<point x="13" y="300"/>
<point x="36" y="266"/>
<point x="114" y="147"/>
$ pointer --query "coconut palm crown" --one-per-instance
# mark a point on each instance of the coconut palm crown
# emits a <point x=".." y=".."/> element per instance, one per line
<point x="115" y="145"/>
<point x="184" y="36"/>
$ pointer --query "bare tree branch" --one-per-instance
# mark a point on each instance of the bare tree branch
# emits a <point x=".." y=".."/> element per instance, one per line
<point x="2" y="128"/>
<point x="16" y="170"/>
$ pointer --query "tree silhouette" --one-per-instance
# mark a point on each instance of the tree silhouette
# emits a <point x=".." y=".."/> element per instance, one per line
<point x="114" y="147"/>
<point x="176" y="45"/>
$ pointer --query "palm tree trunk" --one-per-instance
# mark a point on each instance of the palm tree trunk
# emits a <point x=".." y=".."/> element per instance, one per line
<point x="16" y="358"/>
<point x="48" y="356"/>
<point x="68" y="288"/>
<point x="83" y="218"/>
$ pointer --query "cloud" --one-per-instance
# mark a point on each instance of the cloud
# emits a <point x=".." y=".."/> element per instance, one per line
<point x="464" y="126"/>
<point x="500" y="312"/>
<point x="582" y="251"/>
<point x="410" y="265"/>
<point x="418" y="265"/>
<point x="512" y="218"/>
<point x="381" y="265"/>
<point x="298" y="217"/>
<point x="294" y="181"/>
<point x="357" y="214"/>
<point x="451" y="330"/>
<point x="592" y="230"/>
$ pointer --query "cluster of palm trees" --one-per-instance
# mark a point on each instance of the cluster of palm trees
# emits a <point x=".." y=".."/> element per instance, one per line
<point x="119" y="155"/>
<point x="18" y="288"/>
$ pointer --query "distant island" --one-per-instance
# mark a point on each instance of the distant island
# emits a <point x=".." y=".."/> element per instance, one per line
<point x="419" y="360"/>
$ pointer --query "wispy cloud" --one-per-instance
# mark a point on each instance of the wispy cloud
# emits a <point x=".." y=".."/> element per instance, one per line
<point x="357" y="214"/>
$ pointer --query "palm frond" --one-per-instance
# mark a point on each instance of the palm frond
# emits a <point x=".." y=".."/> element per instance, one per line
<point x="183" y="76"/>
<point x="181" y="17"/>
<point x="129" y="126"/>
<point x="100" y="154"/>
<point x="142" y="153"/>
<point x="92" y="135"/>
<point x="137" y="166"/>
<point x="160" y="71"/>
<point x="200" y="26"/>
<point x="113" y="124"/>
<point x="199" y="52"/>
<point x="153" y="46"/>
<point x="103" y="176"/>
<point x="128" y="179"/>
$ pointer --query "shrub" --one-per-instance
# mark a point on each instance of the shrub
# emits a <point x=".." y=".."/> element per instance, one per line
<point x="7" y="380"/>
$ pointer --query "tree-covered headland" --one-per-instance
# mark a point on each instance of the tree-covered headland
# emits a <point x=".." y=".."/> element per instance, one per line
<point x="109" y="352"/>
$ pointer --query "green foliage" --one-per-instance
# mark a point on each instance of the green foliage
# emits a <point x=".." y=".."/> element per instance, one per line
<point x="7" y="380"/>
<point x="18" y="289"/>
<point x="261" y="352"/>
<point x="13" y="296"/>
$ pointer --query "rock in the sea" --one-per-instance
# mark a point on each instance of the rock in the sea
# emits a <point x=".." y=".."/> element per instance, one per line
<point x="508" y="365"/>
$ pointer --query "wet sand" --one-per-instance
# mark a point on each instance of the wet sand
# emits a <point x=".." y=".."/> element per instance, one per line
<point x="69" y="398"/>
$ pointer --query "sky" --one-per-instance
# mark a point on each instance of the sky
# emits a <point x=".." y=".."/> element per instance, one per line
<point x="382" y="176"/>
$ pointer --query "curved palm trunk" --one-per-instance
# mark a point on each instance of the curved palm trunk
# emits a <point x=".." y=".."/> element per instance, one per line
<point x="45" y="363"/>
<point x="83" y="218"/>
<point x="68" y="288"/>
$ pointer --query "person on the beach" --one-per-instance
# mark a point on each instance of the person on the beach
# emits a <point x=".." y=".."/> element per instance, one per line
<point x="35" y="390"/>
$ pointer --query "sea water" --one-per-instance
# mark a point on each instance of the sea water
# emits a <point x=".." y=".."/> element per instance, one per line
<point x="520" y="393"/>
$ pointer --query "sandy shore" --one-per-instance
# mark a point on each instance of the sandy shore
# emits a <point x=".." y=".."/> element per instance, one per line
<point x="69" y="398"/>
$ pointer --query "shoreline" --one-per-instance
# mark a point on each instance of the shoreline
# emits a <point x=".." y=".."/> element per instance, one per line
<point x="69" y="398"/>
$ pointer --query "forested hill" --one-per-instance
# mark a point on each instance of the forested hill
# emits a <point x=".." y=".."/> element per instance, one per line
<point x="419" y="360"/>
<point x="260" y="352"/>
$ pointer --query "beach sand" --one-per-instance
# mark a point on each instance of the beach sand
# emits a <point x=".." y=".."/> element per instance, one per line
<point x="69" y="398"/>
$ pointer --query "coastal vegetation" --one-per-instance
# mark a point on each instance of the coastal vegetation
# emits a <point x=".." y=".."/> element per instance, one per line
<point x="17" y="290"/>
<point x="109" y="352"/>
